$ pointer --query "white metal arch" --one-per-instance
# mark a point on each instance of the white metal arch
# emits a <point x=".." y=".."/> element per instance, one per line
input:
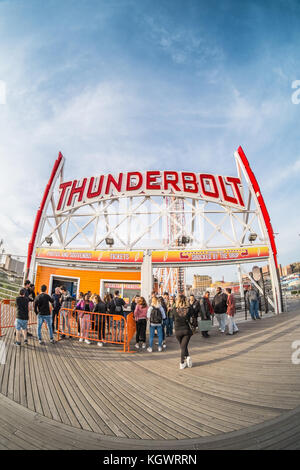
<point x="142" y="221"/>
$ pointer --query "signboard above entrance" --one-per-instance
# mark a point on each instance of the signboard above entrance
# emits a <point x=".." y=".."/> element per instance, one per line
<point x="219" y="255"/>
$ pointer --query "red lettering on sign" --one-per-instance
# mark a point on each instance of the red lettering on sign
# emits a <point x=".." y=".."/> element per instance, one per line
<point x="91" y="194"/>
<point x="188" y="180"/>
<point x="172" y="182"/>
<point x="213" y="185"/>
<point x="77" y="190"/>
<point x="227" y="198"/>
<point x="151" y="179"/>
<point x="236" y="185"/>
<point x="112" y="181"/>
<point x="63" y="187"/>
<point x="129" y="187"/>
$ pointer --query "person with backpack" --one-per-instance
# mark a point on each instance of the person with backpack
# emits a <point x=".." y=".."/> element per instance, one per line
<point x="42" y="310"/>
<point x="140" y="316"/>
<point x="252" y="298"/>
<point x="156" y="316"/>
<point x="183" y="331"/>
<point x="219" y="304"/>
<point x="116" y="305"/>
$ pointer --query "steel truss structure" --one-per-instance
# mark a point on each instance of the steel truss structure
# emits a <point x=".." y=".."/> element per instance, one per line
<point x="153" y="222"/>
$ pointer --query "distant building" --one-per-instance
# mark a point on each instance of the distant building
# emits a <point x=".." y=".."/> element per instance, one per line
<point x="11" y="265"/>
<point x="201" y="282"/>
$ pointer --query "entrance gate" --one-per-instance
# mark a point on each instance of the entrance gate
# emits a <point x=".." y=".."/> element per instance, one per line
<point x="163" y="219"/>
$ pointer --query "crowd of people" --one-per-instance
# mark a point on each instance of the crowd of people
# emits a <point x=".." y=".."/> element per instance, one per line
<point x="163" y="314"/>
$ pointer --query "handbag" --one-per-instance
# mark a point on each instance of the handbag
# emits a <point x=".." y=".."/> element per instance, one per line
<point x="191" y="325"/>
<point x="204" y="325"/>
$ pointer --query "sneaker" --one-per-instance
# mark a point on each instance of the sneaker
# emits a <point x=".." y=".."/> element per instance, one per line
<point x="182" y="366"/>
<point x="235" y="332"/>
<point x="40" y="341"/>
<point x="222" y="331"/>
<point x="99" y="344"/>
<point x="164" y="345"/>
<point x="137" y="346"/>
<point x="17" y="343"/>
<point x="52" y="341"/>
<point x="87" y="341"/>
<point x="189" y="361"/>
<point x="144" y="345"/>
<point x="25" y="341"/>
<point x="149" y="349"/>
<point x="81" y="340"/>
<point x="159" y="349"/>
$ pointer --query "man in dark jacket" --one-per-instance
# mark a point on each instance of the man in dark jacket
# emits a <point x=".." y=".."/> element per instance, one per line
<point x="42" y="309"/>
<point x="206" y="311"/>
<point x="56" y="307"/>
<point x="22" y="316"/>
<point x="117" y="304"/>
<point x="219" y="304"/>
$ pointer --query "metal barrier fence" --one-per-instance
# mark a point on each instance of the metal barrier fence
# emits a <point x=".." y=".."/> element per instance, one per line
<point x="100" y="327"/>
<point x="8" y="314"/>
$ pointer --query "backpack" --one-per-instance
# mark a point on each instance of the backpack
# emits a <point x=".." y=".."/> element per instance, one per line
<point x="118" y="308"/>
<point x="156" y="316"/>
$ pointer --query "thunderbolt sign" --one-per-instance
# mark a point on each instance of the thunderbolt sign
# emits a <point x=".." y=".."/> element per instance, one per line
<point x="225" y="190"/>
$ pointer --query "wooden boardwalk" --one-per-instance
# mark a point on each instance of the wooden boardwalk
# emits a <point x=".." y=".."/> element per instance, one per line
<point x="243" y="391"/>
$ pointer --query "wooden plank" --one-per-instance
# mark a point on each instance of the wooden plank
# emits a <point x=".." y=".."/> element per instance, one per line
<point x="27" y="400"/>
<point x="69" y="408"/>
<point x="76" y="396"/>
<point x="39" y="380"/>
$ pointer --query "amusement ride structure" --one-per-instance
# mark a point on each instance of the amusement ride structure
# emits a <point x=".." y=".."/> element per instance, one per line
<point x="153" y="222"/>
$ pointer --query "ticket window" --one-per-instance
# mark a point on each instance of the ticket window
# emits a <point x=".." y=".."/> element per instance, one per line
<point x="129" y="294"/>
<point x="127" y="291"/>
<point x="70" y="284"/>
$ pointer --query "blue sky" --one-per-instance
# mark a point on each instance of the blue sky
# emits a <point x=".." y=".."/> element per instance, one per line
<point x="168" y="84"/>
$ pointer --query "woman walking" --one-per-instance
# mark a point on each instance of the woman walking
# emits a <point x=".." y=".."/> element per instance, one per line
<point x="140" y="316"/>
<point x="183" y="332"/>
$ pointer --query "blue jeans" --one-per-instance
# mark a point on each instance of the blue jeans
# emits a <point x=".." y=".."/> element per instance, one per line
<point x="160" y="335"/>
<point x="41" y="319"/>
<point x="254" y="308"/>
<point x="169" y="325"/>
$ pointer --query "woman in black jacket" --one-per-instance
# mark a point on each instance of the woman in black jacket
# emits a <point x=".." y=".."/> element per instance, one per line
<point x="183" y="332"/>
<point x="100" y="320"/>
<point x="206" y="311"/>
